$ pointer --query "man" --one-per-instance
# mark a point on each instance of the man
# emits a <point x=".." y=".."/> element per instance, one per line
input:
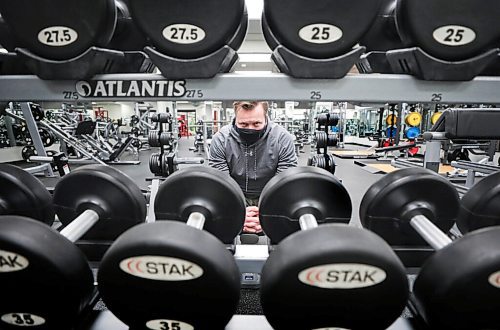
<point x="252" y="150"/>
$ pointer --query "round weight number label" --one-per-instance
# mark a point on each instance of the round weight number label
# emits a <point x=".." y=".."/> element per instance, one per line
<point x="161" y="268"/>
<point x="57" y="36"/>
<point x="494" y="279"/>
<point x="184" y="33"/>
<point x="454" y="35"/>
<point x="320" y="33"/>
<point x="12" y="262"/>
<point x="23" y="319"/>
<point x="342" y="276"/>
<point x="168" y="325"/>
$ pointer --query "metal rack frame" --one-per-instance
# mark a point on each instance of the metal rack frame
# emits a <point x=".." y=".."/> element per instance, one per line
<point x="369" y="88"/>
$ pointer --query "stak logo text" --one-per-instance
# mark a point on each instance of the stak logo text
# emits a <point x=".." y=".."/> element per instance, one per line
<point x="342" y="276"/>
<point x="12" y="262"/>
<point x="131" y="88"/>
<point x="161" y="268"/>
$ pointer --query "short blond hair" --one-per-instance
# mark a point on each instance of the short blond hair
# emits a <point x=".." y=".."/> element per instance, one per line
<point x="249" y="105"/>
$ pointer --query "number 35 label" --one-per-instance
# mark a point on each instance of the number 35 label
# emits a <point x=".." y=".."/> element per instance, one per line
<point x="320" y="33"/>
<point x="454" y="35"/>
<point x="184" y="33"/>
<point x="23" y="319"/>
<point x="57" y="36"/>
<point x="168" y="325"/>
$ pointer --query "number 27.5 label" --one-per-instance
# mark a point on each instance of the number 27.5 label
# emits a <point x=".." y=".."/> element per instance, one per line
<point x="57" y="36"/>
<point x="184" y="33"/>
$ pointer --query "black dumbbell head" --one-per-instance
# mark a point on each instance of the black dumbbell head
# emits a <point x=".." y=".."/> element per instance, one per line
<point x="105" y="190"/>
<point x="23" y="194"/>
<point x="450" y="31"/>
<point x="480" y="206"/>
<point x="321" y="28"/>
<point x="333" y="276"/>
<point x="208" y="191"/>
<point x="169" y="272"/>
<point x="459" y="286"/>
<point x="187" y="29"/>
<point x="46" y="279"/>
<point x="61" y="29"/>
<point x="298" y="191"/>
<point x="390" y="203"/>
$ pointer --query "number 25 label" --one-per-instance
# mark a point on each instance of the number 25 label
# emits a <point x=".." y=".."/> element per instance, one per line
<point x="454" y="35"/>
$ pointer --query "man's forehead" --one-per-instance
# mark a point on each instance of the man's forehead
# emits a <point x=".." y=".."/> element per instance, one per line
<point x="250" y="120"/>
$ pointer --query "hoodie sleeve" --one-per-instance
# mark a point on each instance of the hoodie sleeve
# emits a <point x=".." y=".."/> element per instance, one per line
<point x="217" y="154"/>
<point x="287" y="155"/>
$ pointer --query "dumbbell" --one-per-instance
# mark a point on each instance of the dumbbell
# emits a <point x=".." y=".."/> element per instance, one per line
<point x="326" y="162"/>
<point x="330" y="275"/>
<point x="449" y="31"/>
<point x="324" y="140"/>
<point x="60" y="30"/>
<point x="327" y="119"/>
<point x="157" y="139"/>
<point x="162" y="117"/>
<point x="48" y="281"/>
<point x="458" y="286"/>
<point x="24" y="195"/>
<point x="185" y="30"/>
<point x="177" y="275"/>
<point x="320" y="29"/>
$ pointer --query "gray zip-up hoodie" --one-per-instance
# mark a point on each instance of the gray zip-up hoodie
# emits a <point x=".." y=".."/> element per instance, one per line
<point x="252" y="166"/>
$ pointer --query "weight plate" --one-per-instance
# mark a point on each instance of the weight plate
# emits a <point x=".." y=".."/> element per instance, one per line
<point x="155" y="164"/>
<point x="107" y="191"/>
<point x="412" y="132"/>
<point x="391" y="132"/>
<point x="301" y="285"/>
<point x="190" y="264"/>
<point x="321" y="28"/>
<point x="413" y="119"/>
<point x="332" y="140"/>
<point x="447" y="32"/>
<point x="28" y="151"/>
<point x="206" y="190"/>
<point x="154" y="138"/>
<point x="60" y="29"/>
<point x="391" y="120"/>
<point x="297" y="191"/>
<point x="23" y="194"/>
<point x="481" y="205"/>
<point x="186" y="29"/>
<point x="321" y="140"/>
<point x="435" y="116"/>
<point x="458" y="286"/>
<point x="390" y="203"/>
<point x="41" y="269"/>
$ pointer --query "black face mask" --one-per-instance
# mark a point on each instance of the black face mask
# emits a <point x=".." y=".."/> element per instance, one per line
<point x="250" y="136"/>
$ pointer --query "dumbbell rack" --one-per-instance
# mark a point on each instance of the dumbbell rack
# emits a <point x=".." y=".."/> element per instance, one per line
<point x="362" y="88"/>
<point x="358" y="88"/>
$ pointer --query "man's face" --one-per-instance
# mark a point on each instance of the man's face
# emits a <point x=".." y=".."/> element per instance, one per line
<point x="251" y="119"/>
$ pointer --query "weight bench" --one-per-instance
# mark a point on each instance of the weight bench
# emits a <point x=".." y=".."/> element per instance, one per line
<point x="459" y="124"/>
